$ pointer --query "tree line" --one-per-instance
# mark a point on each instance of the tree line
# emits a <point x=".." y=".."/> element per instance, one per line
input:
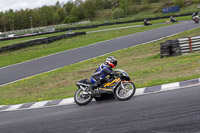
<point x="69" y="12"/>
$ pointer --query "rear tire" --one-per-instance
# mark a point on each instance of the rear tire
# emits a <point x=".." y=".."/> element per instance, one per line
<point x="125" y="94"/>
<point x="82" y="99"/>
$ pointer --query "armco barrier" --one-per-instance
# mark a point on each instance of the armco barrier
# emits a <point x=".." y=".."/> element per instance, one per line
<point x="179" y="46"/>
<point x="44" y="33"/>
<point x="39" y="41"/>
<point x="189" y="44"/>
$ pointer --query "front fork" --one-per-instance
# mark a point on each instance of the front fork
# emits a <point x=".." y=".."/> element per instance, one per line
<point x="122" y="85"/>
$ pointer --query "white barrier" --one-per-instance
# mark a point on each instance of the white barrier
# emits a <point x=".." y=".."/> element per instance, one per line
<point x="189" y="44"/>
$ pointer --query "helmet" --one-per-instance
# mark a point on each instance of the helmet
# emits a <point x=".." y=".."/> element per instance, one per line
<point x="111" y="61"/>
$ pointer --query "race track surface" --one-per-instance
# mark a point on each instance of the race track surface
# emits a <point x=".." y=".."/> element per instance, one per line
<point x="176" y="111"/>
<point x="48" y="63"/>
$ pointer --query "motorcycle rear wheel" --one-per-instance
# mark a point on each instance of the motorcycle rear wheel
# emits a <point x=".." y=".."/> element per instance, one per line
<point x="81" y="98"/>
<point x="126" y="93"/>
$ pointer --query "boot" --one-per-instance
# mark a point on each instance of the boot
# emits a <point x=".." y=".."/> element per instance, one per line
<point x="94" y="88"/>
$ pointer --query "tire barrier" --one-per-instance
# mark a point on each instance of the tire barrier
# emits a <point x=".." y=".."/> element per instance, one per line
<point x="170" y="48"/>
<point x="39" y="41"/>
<point x="189" y="44"/>
<point x="95" y="26"/>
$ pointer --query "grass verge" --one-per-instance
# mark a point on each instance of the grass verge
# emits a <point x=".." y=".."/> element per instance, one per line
<point x="142" y="63"/>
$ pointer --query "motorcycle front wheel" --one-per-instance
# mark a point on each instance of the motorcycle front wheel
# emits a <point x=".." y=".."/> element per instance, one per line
<point x="125" y="93"/>
<point x="82" y="98"/>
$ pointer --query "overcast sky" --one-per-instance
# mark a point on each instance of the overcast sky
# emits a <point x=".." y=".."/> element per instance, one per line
<point x="23" y="4"/>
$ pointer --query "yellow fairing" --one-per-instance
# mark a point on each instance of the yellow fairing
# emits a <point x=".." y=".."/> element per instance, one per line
<point x="109" y="84"/>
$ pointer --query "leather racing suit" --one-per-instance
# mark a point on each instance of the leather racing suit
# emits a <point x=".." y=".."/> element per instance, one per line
<point x="98" y="78"/>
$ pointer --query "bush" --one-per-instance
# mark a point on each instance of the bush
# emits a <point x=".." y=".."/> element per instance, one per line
<point x="132" y="9"/>
<point x="180" y="3"/>
<point x="154" y="1"/>
<point x="166" y="4"/>
<point x="104" y="14"/>
<point x="71" y="19"/>
<point x="196" y="1"/>
<point x="118" y="13"/>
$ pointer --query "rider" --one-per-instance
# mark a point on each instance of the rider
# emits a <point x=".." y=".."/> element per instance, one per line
<point x="193" y="14"/>
<point x="172" y="19"/>
<point x="146" y="23"/>
<point x="98" y="78"/>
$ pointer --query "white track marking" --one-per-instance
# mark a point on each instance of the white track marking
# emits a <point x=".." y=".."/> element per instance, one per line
<point x="66" y="101"/>
<point x="39" y="104"/>
<point x="139" y="91"/>
<point x="13" y="107"/>
<point x="170" y="86"/>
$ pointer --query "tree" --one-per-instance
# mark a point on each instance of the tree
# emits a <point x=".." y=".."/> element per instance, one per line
<point x="78" y="11"/>
<point x="98" y="4"/>
<point x="74" y="11"/>
<point x="4" y="22"/>
<point x="89" y="9"/>
<point x="123" y="4"/>
<point x="68" y="7"/>
<point x="107" y="4"/>
<point x="61" y="14"/>
<point x="115" y="3"/>
<point x="118" y="13"/>
<point x="55" y="18"/>
<point x="58" y="5"/>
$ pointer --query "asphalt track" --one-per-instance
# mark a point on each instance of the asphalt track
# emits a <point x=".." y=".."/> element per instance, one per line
<point x="176" y="111"/>
<point x="19" y="71"/>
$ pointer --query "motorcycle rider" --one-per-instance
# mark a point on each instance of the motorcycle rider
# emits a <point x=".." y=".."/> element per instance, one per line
<point x="195" y="18"/>
<point x="98" y="78"/>
<point x="172" y="19"/>
<point x="146" y="23"/>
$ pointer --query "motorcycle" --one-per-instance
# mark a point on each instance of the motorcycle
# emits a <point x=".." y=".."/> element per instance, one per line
<point x="146" y="23"/>
<point x="195" y="19"/>
<point x="173" y="20"/>
<point x="118" y="86"/>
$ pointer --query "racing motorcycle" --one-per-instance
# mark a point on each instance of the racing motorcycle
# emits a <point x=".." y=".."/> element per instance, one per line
<point x="195" y="19"/>
<point x="118" y="86"/>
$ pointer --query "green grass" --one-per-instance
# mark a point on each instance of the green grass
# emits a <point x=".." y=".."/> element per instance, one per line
<point x="13" y="57"/>
<point x="142" y="63"/>
<point x="154" y="10"/>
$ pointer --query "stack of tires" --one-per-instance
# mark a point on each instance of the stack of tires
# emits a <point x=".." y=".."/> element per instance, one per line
<point x="170" y="48"/>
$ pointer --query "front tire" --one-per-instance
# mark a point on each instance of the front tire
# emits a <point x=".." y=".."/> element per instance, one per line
<point x="82" y="98"/>
<point x="126" y="93"/>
